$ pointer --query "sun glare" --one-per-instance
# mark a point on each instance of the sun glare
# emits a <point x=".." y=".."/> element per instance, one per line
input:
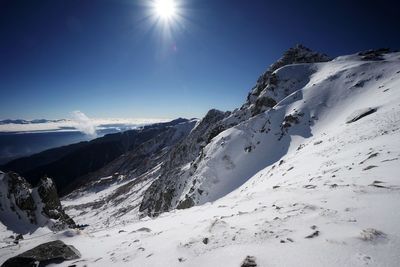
<point x="165" y="9"/>
<point x="166" y="18"/>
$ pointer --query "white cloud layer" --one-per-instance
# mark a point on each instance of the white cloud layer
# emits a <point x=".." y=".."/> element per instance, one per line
<point x="79" y="122"/>
<point x="83" y="123"/>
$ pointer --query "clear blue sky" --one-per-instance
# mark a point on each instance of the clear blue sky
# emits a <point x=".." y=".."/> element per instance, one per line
<point x="106" y="59"/>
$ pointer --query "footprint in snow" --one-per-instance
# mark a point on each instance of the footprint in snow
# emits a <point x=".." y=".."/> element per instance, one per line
<point x="363" y="259"/>
<point x="143" y="229"/>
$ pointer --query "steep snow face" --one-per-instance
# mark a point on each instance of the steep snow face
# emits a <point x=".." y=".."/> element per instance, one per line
<point x="310" y="99"/>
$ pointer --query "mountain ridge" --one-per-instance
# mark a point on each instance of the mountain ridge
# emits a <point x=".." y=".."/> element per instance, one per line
<point x="290" y="176"/>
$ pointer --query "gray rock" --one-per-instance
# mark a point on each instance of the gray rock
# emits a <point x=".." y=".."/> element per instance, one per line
<point x="44" y="254"/>
<point x="52" y="205"/>
<point x="34" y="206"/>
<point x="374" y="54"/>
<point x="295" y="55"/>
<point x="19" y="189"/>
<point x="249" y="261"/>
<point x="162" y="194"/>
<point x="359" y="114"/>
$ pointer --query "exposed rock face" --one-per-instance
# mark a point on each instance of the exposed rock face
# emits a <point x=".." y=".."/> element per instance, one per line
<point x="48" y="253"/>
<point x="38" y="206"/>
<point x="175" y="188"/>
<point x="51" y="204"/>
<point x="19" y="190"/>
<point x="263" y="94"/>
<point x="374" y="54"/>
<point x="160" y="196"/>
<point x="249" y="261"/>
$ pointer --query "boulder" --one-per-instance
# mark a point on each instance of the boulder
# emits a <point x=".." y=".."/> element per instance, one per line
<point x="249" y="261"/>
<point x="44" y="254"/>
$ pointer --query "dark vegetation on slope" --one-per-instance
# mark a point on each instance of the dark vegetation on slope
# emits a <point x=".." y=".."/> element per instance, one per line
<point x="68" y="163"/>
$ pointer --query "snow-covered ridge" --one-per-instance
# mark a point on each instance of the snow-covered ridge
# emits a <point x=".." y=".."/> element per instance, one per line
<point x="306" y="98"/>
<point x="318" y="101"/>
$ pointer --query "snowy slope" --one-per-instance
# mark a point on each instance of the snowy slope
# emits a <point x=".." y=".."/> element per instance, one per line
<point x="312" y="181"/>
<point x="318" y="103"/>
<point x="309" y="98"/>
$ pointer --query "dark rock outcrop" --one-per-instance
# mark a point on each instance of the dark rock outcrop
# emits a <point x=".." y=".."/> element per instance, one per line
<point x="43" y="255"/>
<point x="374" y="54"/>
<point x="256" y="101"/>
<point x="160" y="196"/>
<point x="249" y="261"/>
<point x="359" y="114"/>
<point x="37" y="207"/>
<point x="52" y="206"/>
<point x="19" y="191"/>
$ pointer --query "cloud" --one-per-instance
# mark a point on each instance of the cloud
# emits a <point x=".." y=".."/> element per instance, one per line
<point x="83" y="123"/>
<point x="72" y="124"/>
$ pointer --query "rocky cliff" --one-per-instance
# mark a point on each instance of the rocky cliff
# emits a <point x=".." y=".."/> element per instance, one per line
<point x="24" y="208"/>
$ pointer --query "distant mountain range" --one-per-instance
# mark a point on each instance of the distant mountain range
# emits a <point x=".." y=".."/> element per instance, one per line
<point x="22" y="121"/>
<point x="70" y="165"/>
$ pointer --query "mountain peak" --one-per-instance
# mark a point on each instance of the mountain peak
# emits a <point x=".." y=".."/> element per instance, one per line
<point x="297" y="54"/>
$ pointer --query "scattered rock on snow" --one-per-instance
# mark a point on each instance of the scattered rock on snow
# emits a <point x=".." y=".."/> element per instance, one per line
<point x="361" y="113"/>
<point x="371" y="234"/>
<point x="249" y="261"/>
<point x="370" y="157"/>
<point x="315" y="234"/>
<point x="378" y="184"/>
<point x="369" y="167"/>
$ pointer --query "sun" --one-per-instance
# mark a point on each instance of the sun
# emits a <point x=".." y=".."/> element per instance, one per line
<point x="165" y="9"/>
<point x="166" y="18"/>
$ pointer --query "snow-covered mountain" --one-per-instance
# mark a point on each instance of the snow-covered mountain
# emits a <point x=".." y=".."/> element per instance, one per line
<point x="305" y="173"/>
<point x="178" y="183"/>
<point x="300" y="102"/>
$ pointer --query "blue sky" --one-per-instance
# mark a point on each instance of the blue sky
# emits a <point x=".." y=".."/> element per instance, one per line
<point x="108" y="59"/>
